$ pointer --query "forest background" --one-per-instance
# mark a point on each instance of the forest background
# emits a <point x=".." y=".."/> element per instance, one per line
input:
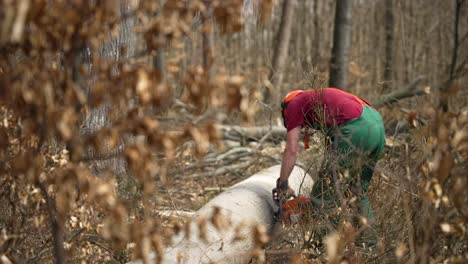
<point x="114" y="111"/>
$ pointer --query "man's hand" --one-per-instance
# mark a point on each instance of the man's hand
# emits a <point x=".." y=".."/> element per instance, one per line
<point x="281" y="191"/>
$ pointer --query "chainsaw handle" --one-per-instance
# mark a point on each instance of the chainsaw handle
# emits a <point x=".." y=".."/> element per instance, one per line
<point x="276" y="195"/>
<point x="278" y="198"/>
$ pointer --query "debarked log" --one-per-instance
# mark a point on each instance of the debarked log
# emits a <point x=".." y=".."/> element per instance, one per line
<point x="246" y="205"/>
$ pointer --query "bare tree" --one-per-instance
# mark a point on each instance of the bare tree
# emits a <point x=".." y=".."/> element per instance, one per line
<point x="281" y="48"/>
<point x="389" y="43"/>
<point x="208" y="39"/>
<point x="99" y="117"/>
<point x="455" y="70"/>
<point x="317" y="35"/>
<point x="341" y="44"/>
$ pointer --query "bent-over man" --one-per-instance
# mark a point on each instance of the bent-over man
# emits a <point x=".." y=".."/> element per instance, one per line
<point x="356" y="134"/>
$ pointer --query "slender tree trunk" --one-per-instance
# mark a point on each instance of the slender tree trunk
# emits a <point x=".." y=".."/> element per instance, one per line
<point x="301" y="39"/>
<point x="341" y="44"/>
<point x="316" y="38"/>
<point x="159" y="62"/>
<point x="281" y="48"/>
<point x="159" y="59"/>
<point x="444" y="100"/>
<point x="389" y="43"/>
<point x="373" y="44"/>
<point x="208" y="40"/>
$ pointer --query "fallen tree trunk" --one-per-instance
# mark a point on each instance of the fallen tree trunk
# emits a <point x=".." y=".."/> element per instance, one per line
<point x="410" y="90"/>
<point x="246" y="205"/>
<point x="238" y="133"/>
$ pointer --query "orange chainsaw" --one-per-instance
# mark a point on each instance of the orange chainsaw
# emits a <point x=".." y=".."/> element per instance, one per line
<point x="292" y="210"/>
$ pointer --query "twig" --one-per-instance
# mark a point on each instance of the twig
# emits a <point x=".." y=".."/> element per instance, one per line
<point x="407" y="208"/>
<point x="223" y="170"/>
<point x="56" y="226"/>
<point x="175" y="213"/>
<point x="262" y="140"/>
<point x="46" y="248"/>
<point x="94" y="242"/>
<point x="335" y="180"/>
<point x="372" y="260"/>
<point x="233" y="151"/>
<point x="213" y="189"/>
<point x="218" y="161"/>
<point x="400" y="188"/>
<point x="34" y="259"/>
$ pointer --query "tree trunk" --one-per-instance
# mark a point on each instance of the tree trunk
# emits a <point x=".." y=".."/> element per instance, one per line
<point x="159" y="59"/>
<point x="341" y="44"/>
<point x="281" y="49"/>
<point x="159" y="62"/>
<point x="389" y="43"/>
<point x="208" y="39"/>
<point x="98" y="118"/>
<point x="316" y="40"/>
<point x="444" y="100"/>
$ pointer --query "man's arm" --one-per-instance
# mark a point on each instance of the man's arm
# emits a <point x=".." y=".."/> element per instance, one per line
<point x="290" y="153"/>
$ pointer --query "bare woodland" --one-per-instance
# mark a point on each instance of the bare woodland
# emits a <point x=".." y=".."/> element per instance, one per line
<point x="120" y="118"/>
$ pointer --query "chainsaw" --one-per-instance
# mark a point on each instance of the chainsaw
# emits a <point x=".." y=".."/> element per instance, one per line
<point x="292" y="210"/>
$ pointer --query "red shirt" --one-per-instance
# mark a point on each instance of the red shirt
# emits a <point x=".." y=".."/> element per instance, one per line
<point x="323" y="107"/>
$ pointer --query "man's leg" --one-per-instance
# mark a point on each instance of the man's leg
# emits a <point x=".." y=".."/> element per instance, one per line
<point x="363" y="139"/>
<point x="373" y="142"/>
<point x="365" y="208"/>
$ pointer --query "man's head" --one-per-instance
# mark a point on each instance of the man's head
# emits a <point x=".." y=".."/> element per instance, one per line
<point x="284" y="104"/>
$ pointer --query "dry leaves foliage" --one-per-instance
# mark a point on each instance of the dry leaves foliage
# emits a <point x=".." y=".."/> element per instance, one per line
<point x="48" y="90"/>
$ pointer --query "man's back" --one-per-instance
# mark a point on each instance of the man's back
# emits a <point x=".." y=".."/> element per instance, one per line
<point x="326" y="106"/>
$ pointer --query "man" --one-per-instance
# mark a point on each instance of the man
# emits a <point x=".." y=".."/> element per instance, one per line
<point x="354" y="127"/>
